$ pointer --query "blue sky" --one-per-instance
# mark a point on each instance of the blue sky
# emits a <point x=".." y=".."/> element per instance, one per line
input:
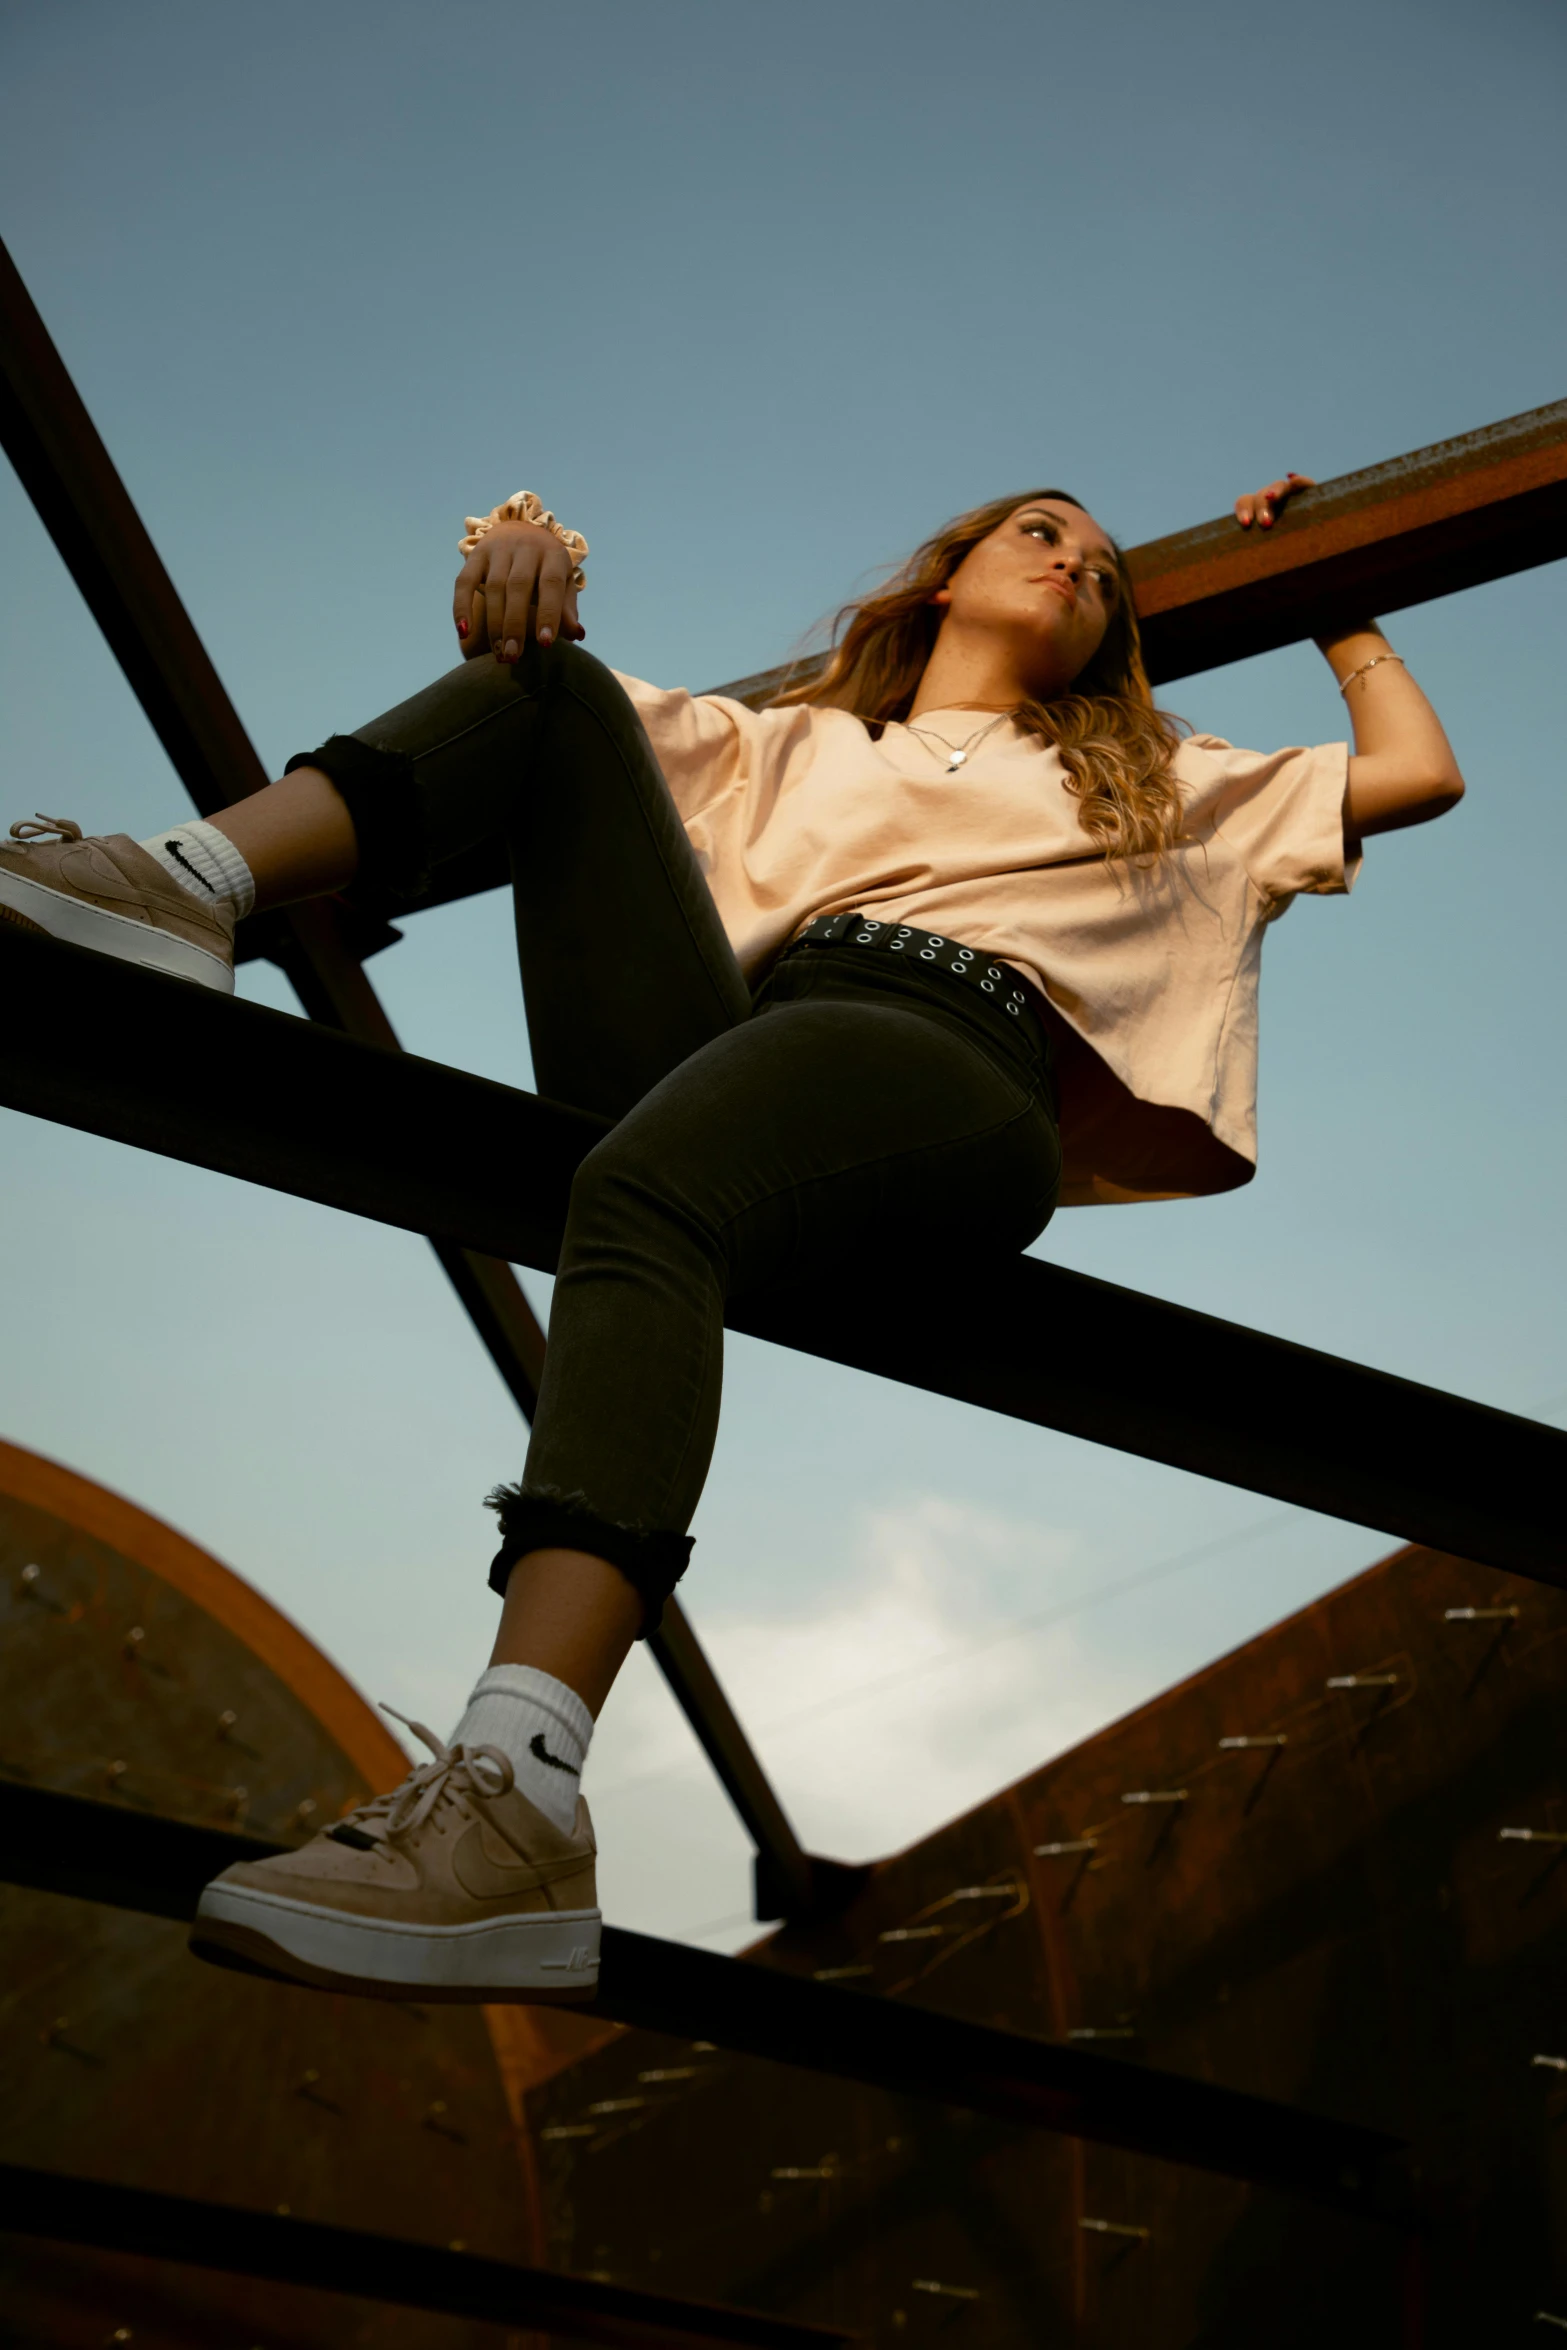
<point x="754" y="301"/>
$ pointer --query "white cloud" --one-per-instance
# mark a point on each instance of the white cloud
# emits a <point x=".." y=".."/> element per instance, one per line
<point x="878" y="1717"/>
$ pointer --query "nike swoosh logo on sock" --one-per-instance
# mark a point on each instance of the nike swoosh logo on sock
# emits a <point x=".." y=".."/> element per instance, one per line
<point x="541" y="1753"/>
<point x="180" y="858"/>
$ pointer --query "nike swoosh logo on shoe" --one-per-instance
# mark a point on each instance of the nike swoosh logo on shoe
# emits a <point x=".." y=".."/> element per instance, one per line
<point x="541" y="1753"/>
<point x="342" y="1833"/>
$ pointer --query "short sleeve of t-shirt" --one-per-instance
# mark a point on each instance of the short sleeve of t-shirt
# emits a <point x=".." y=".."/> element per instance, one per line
<point x="1281" y="811"/>
<point x="704" y="743"/>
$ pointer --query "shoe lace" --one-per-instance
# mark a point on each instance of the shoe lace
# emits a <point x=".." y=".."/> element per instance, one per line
<point x="455" y="1771"/>
<point x="41" y="827"/>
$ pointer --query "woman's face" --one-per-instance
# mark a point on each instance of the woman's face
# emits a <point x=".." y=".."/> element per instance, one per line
<point x="1047" y="579"/>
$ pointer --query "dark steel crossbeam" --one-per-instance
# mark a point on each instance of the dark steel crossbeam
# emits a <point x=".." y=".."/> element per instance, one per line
<point x="72" y="480"/>
<point x="482" y="1166"/>
<point x="99" y="1851"/>
<point x="288" y="2251"/>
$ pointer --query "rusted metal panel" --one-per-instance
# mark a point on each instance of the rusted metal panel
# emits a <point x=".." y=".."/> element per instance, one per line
<point x="1339" y="1922"/>
<point x="136" y="1669"/>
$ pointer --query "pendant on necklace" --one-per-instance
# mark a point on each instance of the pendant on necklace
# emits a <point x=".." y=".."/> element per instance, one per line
<point x="956" y="761"/>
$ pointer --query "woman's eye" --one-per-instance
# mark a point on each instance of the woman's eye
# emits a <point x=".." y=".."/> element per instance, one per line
<point x="1042" y="530"/>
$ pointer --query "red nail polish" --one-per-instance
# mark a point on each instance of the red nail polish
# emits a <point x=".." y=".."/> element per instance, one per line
<point x="545" y="637"/>
<point x="462" y="628"/>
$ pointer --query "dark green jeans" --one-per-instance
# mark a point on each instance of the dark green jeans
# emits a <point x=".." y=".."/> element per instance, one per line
<point x="852" y="1109"/>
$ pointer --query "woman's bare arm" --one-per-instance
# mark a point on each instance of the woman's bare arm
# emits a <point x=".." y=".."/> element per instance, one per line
<point x="1403" y="770"/>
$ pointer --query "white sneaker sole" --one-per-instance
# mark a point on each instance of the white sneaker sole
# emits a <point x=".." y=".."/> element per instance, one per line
<point x="540" y="1955"/>
<point x="33" y="907"/>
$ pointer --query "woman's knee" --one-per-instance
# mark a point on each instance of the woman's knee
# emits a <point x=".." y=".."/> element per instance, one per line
<point x="627" y="1195"/>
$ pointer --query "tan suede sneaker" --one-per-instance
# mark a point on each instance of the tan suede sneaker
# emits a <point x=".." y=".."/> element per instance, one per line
<point x="109" y="894"/>
<point x="452" y="1887"/>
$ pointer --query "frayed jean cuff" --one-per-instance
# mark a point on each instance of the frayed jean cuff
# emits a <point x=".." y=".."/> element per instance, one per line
<point x="377" y="788"/>
<point x="651" y="1562"/>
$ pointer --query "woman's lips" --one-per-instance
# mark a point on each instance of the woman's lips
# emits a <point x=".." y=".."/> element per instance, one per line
<point x="1064" y="589"/>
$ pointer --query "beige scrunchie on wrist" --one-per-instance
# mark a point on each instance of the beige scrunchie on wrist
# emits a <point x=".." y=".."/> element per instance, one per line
<point x="523" y="506"/>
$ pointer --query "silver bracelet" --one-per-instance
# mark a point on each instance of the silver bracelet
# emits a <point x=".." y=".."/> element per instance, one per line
<point x="1371" y="664"/>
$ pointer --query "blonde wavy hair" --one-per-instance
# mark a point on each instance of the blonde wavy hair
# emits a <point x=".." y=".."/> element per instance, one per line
<point x="1117" y="748"/>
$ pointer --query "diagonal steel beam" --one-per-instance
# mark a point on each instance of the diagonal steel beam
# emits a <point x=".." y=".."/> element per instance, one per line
<point x="408" y="1142"/>
<point x="72" y="480"/>
<point x="387" y="2269"/>
<point x="96" y="1851"/>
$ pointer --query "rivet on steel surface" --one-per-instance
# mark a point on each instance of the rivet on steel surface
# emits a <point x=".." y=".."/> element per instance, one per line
<point x="671" y="2072"/>
<point x="1555" y="2064"/>
<point x="570" y="2130"/>
<point x="114" y="1772"/>
<point x="1072" y="1844"/>
<point x="1476" y="1615"/>
<point x="226" y="1721"/>
<point x="302" y="1811"/>
<point x="1361" y="1680"/>
<point x="130" y="1646"/>
<point x="1113" y="2227"/>
<point x="235" y="1799"/>
<point x="618" y="2105"/>
<point x="1277" y="1738"/>
<point x="1102" y="2032"/>
<point x="1531" y="1836"/>
<point x="839" y="1974"/>
<point x="458" y="2244"/>
<point x="1156" y="1795"/>
<point x="31" y="1583"/>
<point x="949" y="2292"/>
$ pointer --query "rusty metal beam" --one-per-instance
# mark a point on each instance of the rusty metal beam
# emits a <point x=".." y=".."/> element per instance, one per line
<point x="479" y="1165"/>
<point x="102" y="1851"/>
<point x="1428" y="524"/>
<point x="387" y="2269"/>
<point x="73" y="482"/>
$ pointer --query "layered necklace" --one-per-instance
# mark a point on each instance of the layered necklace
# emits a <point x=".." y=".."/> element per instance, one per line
<point x="957" y="753"/>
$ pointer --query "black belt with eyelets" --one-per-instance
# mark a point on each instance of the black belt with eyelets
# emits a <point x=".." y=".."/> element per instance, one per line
<point x="924" y="950"/>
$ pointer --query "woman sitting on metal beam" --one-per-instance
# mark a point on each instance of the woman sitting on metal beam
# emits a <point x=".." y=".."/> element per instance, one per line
<point x="958" y="929"/>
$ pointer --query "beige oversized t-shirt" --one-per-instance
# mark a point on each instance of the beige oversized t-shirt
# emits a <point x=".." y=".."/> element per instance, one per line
<point x="1150" y="972"/>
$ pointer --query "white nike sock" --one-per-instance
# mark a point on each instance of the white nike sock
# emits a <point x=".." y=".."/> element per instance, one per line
<point x="205" y="862"/>
<point x="541" y="1725"/>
